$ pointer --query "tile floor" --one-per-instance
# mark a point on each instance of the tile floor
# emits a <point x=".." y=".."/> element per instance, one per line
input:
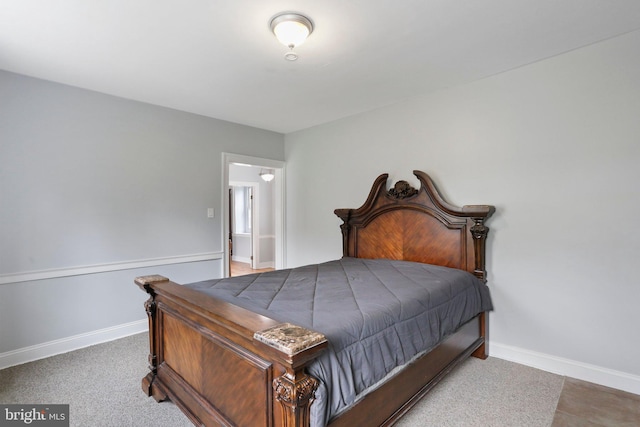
<point x="584" y="404"/>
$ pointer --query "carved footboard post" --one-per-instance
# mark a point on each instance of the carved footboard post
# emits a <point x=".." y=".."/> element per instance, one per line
<point x="479" y="233"/>
<point x="145" y="283"/>
<point x="294" y="389"/>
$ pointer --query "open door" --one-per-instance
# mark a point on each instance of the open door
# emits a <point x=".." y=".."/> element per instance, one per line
<point x="242" y="227"/>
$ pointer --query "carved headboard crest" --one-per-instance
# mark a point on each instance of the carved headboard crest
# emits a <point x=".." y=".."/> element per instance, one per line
<point x="402" y="190"/>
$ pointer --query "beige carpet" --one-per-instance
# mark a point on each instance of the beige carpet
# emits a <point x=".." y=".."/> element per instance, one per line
<point x="488" y="393"/>
<point x="102" y="386"/>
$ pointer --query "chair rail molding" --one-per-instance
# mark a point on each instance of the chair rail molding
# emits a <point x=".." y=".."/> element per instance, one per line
<point x="29" y="276"/>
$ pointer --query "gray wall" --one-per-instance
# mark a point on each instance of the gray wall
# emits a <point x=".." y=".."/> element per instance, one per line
<point x="88" y="179"/>
<point x="556" y="147"/>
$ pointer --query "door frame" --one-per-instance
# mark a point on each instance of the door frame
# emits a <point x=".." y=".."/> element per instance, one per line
<point x="279" y="205"/>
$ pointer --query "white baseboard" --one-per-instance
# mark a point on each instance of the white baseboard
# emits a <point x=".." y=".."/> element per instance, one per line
<point x="64" y="345"/>
<point x="566" y="367"/>
<point x="267" y="264"/>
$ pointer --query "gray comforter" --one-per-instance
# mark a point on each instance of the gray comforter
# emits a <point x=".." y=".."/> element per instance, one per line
<point x="376" y="314"/>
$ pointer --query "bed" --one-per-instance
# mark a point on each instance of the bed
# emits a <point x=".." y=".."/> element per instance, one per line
<point x="244" y="362"/>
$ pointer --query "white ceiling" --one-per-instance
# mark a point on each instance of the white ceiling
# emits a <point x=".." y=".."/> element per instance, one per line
<point x="218" y="58"/>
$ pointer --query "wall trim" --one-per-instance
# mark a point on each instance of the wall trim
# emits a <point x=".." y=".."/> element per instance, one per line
<point x="102" y="268"/>
<point x="266" y="264"/>
<point x="76" y="342"/>
<point x="567" y="367"/>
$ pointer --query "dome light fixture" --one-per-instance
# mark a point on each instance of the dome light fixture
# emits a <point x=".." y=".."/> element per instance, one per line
<point x="291" y="29"/>
<point x="266" y="174"/>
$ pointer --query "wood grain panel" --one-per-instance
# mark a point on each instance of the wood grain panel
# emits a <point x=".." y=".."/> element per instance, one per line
<point x="235" y="382"/>
<point x="426" y="239"/>
<point x="412" y="235"/>
<point x="237" y="386"/>
<point x="182" y="347"/>
<point x="381" y="238"/>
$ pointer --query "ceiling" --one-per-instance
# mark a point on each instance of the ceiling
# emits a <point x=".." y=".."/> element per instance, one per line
<point x="218" y="58"/>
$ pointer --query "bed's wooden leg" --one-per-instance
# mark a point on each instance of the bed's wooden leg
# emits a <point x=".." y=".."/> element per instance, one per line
<point x="483" y="351"/>
<point x="146" y="383"/>
<point x="153" y="390"/>
<point x="295" y="391"/>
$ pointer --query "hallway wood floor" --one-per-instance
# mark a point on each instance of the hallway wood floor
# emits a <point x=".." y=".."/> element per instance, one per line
<point x="242" y="268"/>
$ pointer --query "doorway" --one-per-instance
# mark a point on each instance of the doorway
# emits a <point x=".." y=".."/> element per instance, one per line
<point x="264" y="220"/>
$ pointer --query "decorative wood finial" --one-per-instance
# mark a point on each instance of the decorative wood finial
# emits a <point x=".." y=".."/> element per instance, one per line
<point x="402" y="190"/>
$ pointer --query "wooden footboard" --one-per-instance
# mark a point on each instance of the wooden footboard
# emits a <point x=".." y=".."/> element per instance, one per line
<point x="224" y="365"/>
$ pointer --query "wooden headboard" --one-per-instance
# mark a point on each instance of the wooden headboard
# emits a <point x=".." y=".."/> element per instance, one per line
<point x="405" y="223"/>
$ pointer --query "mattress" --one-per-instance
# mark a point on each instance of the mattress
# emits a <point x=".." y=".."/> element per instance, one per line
<point x="376" y="314"/>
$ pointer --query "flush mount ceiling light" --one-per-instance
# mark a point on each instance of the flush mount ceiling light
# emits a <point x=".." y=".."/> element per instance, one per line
<point x="291" y="29"/>
<point x="266" y="174"/>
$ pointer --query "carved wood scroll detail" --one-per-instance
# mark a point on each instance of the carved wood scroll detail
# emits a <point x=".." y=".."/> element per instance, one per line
<point x="295" y="389"/>
<point x="295" y="393"/>
<point x="150" y="307"/>
<point x="402" y="190"/>
<point x="479" y="230"/>
<point x="479" y="233"/>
